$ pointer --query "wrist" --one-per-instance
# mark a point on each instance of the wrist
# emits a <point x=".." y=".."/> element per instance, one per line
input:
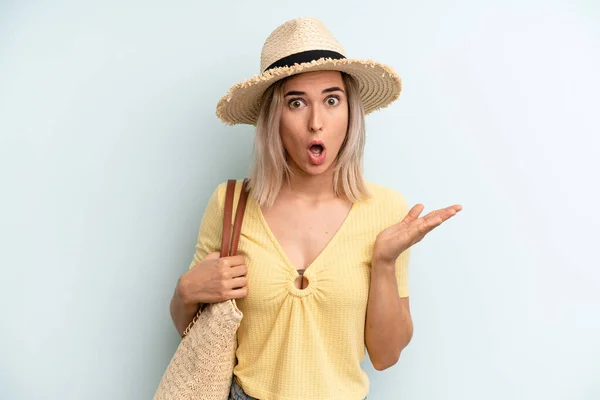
<point x="378" y="263"/>
<point x="182" y="295"/>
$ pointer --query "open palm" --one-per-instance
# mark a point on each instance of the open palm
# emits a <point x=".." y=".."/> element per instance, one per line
<point x="391" y="242"/>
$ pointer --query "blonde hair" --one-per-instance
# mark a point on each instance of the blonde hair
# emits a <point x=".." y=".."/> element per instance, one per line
<point x="271" y="169"/>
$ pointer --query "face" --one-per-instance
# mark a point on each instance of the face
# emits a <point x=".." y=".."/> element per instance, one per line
<point x="314" y="120"/>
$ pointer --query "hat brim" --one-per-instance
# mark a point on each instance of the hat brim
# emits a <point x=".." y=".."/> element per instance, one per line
<point x="379" y="86"/>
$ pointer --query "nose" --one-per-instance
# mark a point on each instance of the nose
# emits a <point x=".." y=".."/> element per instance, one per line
<point x="315" y="123"/>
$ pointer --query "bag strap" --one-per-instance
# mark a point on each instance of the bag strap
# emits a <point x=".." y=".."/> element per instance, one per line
<point x="229" y="244"/>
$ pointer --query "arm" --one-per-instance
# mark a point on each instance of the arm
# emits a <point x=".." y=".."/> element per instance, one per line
<point x="212" y="280"/>
<point x="182" y="312"/>
<point x="389" y="326"/>
<point x="184" y="304"/>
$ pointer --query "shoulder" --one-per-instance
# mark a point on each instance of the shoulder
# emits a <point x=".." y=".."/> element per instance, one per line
<point x="217" y="199"/>
<point x="385" y="204"/>
<point x="383" y="196"/>
<point x="220" y="190"/>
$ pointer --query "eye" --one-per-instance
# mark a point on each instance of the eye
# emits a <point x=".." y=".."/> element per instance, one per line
<point x="296" y="103"/>
<point x="333" y="101"/>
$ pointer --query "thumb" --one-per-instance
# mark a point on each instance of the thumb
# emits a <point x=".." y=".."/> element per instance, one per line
<point x="414" y="212"/>
<point x="212" y="256"/>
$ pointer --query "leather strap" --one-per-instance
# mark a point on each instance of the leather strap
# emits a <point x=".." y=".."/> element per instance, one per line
<point x="226" y="236"/>
<point x="229" y="243"/>
<point x="239" y="218"/>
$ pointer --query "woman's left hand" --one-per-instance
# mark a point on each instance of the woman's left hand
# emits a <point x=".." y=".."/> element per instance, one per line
<point x="391" y="242"/>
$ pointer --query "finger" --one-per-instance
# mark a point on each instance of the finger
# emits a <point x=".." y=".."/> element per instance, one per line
<point x="240" y="270"/>
<point x="425" y="225"/>
<point x="437" y="217"/>
<point x="450" y="211"/>
<point x="414" y="212"/>
<point x="238" y="293"/>
<point x="456" y="207"/>
<point x="232" y="261"/>
<point x="444" y="213"/>
<point x="413" y="215"/>
<point x="237" y="283"/>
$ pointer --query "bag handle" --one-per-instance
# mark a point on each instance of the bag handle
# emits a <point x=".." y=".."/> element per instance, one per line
<point x="229" y="244"/>
<point x="239" y="217"/>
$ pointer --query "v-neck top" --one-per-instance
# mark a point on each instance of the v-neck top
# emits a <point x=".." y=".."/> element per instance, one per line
<point x="305" y="343"/>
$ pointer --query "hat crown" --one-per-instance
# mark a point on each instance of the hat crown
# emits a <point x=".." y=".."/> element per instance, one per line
<point x="296" y="36"/>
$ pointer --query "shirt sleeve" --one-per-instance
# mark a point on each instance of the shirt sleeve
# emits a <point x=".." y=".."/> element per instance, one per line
<point x="211" y="227"/>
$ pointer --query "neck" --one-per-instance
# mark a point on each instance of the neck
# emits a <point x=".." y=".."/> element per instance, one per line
<point x="311" y="187"/>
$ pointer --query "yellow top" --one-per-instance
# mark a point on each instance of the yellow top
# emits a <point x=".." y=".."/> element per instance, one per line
<point x="303" y="344"/>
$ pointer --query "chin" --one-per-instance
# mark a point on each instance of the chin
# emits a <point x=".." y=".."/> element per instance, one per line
<point x="316" y="170"/>
<point x="305" y="167"/>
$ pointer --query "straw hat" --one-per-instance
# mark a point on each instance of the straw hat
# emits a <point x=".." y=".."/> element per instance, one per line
<point x="303" y="45"/>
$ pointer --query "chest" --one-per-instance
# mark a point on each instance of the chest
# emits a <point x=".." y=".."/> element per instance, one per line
<point x="303" y="233"/>
<point x="333" y="247"/>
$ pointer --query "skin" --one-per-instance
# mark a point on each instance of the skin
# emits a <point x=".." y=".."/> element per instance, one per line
<point x="307" y="213"/>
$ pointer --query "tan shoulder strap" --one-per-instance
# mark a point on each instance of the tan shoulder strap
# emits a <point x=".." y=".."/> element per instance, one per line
<point x="229" y="243"/>
<point x="239" y="218"/>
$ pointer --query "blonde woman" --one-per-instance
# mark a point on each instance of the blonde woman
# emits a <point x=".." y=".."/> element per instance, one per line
<point x="322" y="270"/>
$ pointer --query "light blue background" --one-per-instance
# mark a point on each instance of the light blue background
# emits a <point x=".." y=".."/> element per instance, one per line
<point x="109" y="149"/>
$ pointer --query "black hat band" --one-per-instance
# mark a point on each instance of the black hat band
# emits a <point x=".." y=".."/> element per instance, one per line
<point x="305" y="56"/>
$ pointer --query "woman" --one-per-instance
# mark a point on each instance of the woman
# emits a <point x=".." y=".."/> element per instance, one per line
<point x="323" y="256"/>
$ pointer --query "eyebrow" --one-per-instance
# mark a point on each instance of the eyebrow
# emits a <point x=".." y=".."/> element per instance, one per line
<point x="328" y="90"/>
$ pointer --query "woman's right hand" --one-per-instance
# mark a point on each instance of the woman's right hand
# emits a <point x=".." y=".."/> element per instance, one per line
<point x="213" y="280"/>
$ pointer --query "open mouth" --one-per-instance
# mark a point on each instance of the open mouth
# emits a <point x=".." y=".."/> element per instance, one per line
<point x="316" y="152"/>
<point x="316" y="149"/>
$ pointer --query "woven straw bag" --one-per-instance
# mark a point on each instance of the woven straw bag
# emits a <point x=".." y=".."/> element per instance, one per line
<point x="202" y="366"/>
